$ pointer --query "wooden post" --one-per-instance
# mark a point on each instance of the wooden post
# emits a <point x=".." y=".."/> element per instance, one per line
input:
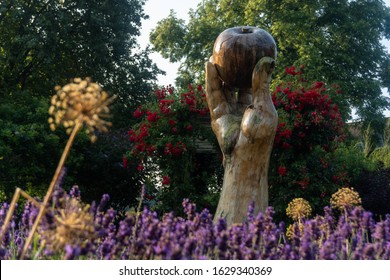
<point x="245" y="126"/>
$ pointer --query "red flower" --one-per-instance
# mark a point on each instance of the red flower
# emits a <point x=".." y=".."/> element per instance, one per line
<point x="304" y="183"/>
<point x="141" y="147"/>
<point x="132" y="135"/>
<point x="151" y="149"/>
<point x="190" y="101"/>
<point x="189" y="127"/>
<point x="160" y="94"/>
<point x="203" y="111"/>
<point x="318" y="84"/>
<point x="152" y="117"/>
<point x="282" y="171"/>
<point x="291" y="71"/>
<point x="172" y="122"/>
<point x="166" y="180"/>
<point x="125" y="162"/>
<point x="138" y="113"/>
<point x="140" y="167"/>
<point x="286" y="145"/>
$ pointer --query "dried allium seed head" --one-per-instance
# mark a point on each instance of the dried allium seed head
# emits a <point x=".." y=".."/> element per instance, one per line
<point x="73" y="225"/>
<point x="80" y="101"/>
<point x="345" y="197"/>
<point x="291" y="230"/>
<point x="298" y="208"/>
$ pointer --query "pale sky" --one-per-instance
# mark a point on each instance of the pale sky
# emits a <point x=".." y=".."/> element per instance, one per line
<point x="158" y="10"/>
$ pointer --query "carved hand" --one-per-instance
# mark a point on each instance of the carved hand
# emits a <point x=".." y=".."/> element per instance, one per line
<point x="244" y="117"/>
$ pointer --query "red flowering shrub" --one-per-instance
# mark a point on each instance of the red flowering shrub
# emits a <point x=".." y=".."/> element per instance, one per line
<point x="310" y="129"/>
<point x="164" y="145"/>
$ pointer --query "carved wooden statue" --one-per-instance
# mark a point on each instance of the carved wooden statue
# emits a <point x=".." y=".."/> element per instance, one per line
<point x="245" y="121"/>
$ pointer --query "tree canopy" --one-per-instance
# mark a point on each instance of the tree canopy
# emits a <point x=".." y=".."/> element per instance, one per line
<point x="44" y="43"/>
<point x="338" y="41"/>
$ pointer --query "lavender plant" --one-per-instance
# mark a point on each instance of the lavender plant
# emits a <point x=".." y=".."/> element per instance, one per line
<point x="99" y="232"/>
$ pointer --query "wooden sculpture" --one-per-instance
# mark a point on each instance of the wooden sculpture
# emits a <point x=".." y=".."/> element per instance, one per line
<point x="243" y="116"/>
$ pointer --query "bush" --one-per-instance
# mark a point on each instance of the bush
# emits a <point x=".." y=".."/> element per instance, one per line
<point x="28" y="150"/>
<point x="382" y="155"/>
<point x="310" y="129"/>
<point x="374" y="188"/>
<point x="165" y="145"/>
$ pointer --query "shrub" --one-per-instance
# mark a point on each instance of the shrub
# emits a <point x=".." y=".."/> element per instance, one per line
<point x="28" y="151"/>
<point x="382" y="155"/>
<point x="310" y="129"/>
<point x="165" y="147"/>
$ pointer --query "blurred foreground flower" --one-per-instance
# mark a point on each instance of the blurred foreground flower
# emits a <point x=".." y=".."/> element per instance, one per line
<point x="83" y="102"/>
<point x="78" y="103"/>
<point x="73" y="225"/>
<point x="345" y="197"/>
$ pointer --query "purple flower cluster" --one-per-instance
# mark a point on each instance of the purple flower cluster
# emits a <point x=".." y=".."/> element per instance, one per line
<point x="145" y="235"/>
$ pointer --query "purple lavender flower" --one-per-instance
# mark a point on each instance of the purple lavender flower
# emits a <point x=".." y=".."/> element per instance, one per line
<point x="189" y="209"/>
<point x="353" y="235"/>
<point x="103" y="202"/>
<point x="72" y="253"/>
<point x="75" y="192"/>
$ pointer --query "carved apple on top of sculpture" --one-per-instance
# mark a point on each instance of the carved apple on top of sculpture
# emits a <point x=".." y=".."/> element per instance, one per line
<point x="236" y="52"/>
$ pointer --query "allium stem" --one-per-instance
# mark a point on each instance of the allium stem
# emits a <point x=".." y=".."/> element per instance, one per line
<point x="143" y="190"/>
<point x="10" y="213"/>
<point x="51" y="187"/>
<point x="11" y="210"/>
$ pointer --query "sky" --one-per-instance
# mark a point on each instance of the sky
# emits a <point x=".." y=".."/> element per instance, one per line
<point x="158" y="10"/>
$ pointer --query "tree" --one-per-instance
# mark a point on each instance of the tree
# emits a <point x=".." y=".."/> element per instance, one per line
<point x="45" y="43"/>
<point x="338" y="42"/>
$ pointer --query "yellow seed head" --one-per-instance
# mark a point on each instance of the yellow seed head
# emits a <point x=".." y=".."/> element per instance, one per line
<point x="298" y="208"/>
<point x="345" y="197"/>
<point x="73" y="225"/>
<point x="290" y="230"/>
<point x="81" y="101"/>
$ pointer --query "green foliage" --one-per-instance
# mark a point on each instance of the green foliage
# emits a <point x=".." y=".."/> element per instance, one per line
<point x="28" y="150"/>
<point x="382" y="155"/>
<point x="339" y="39"/>
<point x="46" y="43"/>
<point x="168" y="37"/>
<point x="101" y="171"/>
